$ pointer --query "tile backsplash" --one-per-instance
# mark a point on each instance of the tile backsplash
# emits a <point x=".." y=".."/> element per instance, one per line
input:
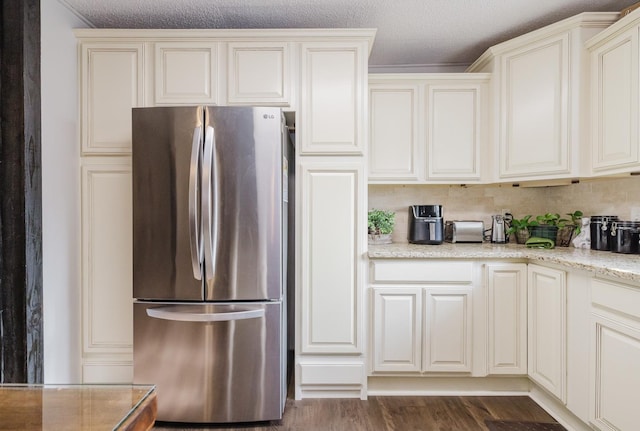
<point x="606" y="196"/>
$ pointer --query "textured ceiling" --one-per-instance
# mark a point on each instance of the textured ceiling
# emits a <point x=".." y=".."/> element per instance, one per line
<point x="410" y="32"/>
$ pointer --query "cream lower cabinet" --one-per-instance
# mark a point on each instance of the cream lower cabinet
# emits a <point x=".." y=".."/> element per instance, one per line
<point x="427" y="127"/>
<point x="107" y="311"/>
<point x="397" y="329"/>
<point x="426" y="328"/>
<point x="547" y="329"/>
<point x="615" y="98"/>
<point x="615" y="347"/>
<point x="422" y="330"/>
<point x="507" y="318"/>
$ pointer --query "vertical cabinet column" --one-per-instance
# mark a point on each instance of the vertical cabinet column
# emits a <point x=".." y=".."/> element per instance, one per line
<point x="332" y="233"/>
<point x="332" y="210"/>
<point x="107" y="314"/>
<point x="507" y="310"/>
<point x="547" y="339"/>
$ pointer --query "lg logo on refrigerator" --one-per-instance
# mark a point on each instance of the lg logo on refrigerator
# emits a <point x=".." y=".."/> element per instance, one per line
<point x="268" y="116"/>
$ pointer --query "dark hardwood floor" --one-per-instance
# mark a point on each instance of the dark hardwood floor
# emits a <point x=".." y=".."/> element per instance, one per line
<point x="393" y="414"/>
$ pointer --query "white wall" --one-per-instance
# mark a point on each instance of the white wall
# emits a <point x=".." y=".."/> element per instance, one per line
<point x="60" y="194"/>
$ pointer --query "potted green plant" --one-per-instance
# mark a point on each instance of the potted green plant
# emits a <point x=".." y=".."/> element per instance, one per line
<point x="380" y="226"/>
<point x="545" y="226"/>
<point x="568" y="227"/>
<point x="520" y="227"/>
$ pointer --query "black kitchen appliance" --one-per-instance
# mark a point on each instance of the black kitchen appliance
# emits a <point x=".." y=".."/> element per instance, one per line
<point x="426" y="225"/>
<point x="600" y="227"/>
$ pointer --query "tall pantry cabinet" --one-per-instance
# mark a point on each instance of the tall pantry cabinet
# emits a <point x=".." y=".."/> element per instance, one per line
<point x="319" y="78"/>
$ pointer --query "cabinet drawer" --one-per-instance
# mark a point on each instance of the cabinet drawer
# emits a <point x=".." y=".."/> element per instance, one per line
<point x="616" y="296"/>
<point x="422" y="271"/>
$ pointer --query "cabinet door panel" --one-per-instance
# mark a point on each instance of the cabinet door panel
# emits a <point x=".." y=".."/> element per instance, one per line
<point x="397" y="329"/>
<point x="547" y="329"/>
<point x="186" y="73"/>
<point x="333" y="95"/>
<point x="507" y="289"/>
<point x="616" y="376"/>
<point x="331" y="282"/>
<point x="258" y="74"/>
<point x="447" y="341"/>
<point x="534" y="118"/>
<point x="453" y="131"/>
<point x="107" y="313"/>
<point x="615" y="103"/>
<point x="112" y="84"/>
<point x="393" y="124"/>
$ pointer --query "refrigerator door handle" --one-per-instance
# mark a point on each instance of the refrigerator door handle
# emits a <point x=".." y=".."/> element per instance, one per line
<point x="194" y="203"/>
<point x="209" y="203"/>
<point x="181" y="316"/>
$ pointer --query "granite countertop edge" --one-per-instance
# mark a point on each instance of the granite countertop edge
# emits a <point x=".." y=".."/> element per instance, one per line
<point x="605" y="263"/>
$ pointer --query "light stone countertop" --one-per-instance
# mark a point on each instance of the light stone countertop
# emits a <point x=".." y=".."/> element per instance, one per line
<point x="622" y="266"/>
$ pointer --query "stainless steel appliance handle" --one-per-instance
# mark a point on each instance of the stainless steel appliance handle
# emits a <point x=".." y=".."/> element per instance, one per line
<point x="194" y="203"/>
<point x="209" y="203"/>
<point x="181" y="316"/>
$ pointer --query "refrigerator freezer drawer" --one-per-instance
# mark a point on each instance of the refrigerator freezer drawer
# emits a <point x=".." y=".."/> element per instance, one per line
<point x="211" y="362"/>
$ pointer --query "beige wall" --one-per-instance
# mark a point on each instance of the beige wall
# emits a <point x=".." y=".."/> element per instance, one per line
<point x="619" y="197"/>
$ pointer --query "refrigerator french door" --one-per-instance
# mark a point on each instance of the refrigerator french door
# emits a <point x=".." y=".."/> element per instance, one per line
<point x="209" y="261"/>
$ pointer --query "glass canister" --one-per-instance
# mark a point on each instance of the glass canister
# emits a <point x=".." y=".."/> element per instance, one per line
<point x="624" y="237"/>
<point x="600" y="227"/>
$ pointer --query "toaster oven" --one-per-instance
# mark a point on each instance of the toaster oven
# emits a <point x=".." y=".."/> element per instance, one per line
<point x="463" y="231"/>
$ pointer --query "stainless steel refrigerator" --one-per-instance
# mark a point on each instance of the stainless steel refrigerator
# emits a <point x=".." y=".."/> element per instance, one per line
<point x="210" y="206"/>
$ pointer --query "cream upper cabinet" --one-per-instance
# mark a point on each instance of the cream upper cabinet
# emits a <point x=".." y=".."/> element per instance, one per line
<point x="394" y="131"/>
<point x="534" y="137"/>
<point x="540" y="99"/>
<point x="456" y="118"/>
<point x="186" y="73"/>
<point x="507" y="313"/>
<point x="615" y="98"/>
<point x="259" y="73"/>
<point x="547" y="329"/>
<point x="333" y="98"/>
<point x="427" y="128"/>
<point x="111" y="83"/>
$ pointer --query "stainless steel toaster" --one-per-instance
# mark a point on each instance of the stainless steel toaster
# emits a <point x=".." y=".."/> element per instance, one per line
<point x="463" y="231"/>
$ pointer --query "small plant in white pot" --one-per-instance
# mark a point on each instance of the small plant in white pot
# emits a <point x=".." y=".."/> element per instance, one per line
<point x="380" y="226"/>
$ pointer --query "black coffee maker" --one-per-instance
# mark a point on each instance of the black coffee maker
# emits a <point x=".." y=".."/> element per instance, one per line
<point x="426" y="225"/>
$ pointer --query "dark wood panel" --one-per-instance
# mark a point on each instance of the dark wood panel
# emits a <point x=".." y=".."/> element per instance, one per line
<point x="20" y="188"/>
<point x="392" y="414"/>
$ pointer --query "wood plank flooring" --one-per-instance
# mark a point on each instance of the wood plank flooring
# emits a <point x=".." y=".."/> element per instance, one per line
<point x="392" y="414"/>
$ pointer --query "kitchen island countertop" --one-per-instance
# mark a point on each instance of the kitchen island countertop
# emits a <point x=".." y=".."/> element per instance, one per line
<point x="621" y="266"/>
<point x="77" y="407"/>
